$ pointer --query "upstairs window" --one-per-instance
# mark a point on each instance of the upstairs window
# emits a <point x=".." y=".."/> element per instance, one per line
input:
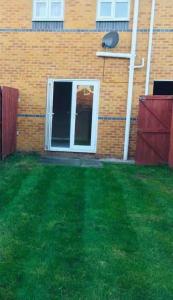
<point x="113" y="10"/>
<point x="48" y="10"/>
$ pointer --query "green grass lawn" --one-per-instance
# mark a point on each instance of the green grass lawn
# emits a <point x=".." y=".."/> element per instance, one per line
<point x="85" y="234"/>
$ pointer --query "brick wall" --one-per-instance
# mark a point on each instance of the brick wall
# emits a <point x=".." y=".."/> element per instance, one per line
<point x="28" y="58"/>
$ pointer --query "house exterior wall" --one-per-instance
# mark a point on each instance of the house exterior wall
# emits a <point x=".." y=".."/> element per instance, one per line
<point x="29" y="57"/>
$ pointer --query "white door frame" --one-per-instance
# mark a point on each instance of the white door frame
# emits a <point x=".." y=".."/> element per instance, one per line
<point x="49" y="114"/>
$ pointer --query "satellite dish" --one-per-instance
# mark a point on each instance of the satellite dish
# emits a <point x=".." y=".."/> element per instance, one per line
<point x="110" y="40"/>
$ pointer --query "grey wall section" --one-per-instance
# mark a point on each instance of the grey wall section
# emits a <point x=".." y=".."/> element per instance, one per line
<point x="51" y="25"/>
<point x="100" y="26"/>
<point x="100" y="117"/>
<point x="170" y="30"/>
<point x="111" y="25"/>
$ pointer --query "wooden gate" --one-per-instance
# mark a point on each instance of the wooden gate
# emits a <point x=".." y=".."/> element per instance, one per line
<point x="154" y="125"/>
<point x="170" y="162"/>
<point x="8" y="120"/>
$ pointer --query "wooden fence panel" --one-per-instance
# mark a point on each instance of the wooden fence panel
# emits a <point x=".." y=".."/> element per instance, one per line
<point x="0" y="123"/>
<point x="153" y="136"/>
<point x="9" y="120"/>
<point x="170" y="162"/>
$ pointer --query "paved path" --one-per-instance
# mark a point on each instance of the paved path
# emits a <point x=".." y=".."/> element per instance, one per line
<point x="77" y="162"/>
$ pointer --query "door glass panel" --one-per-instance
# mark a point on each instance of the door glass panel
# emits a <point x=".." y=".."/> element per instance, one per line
<point x="84" y="108"/>
<point x="61" y="114"/>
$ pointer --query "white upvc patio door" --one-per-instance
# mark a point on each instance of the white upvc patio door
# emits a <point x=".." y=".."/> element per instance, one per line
<point x="82" y="117"/>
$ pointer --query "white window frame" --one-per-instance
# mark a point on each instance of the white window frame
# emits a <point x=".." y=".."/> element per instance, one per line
<point x="48" y="17"/>
<point x="112" y="17"/>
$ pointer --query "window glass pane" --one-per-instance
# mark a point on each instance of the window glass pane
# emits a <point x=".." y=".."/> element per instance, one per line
<point x="105" y="9"/>
<point x="121" y="10"/>
<point x="55" y="9"/>
<point x="41" y="8"/>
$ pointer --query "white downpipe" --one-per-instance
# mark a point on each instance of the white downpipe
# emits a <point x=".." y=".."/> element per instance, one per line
<point x="150" y="45"/>
<point x="131" y="79"/>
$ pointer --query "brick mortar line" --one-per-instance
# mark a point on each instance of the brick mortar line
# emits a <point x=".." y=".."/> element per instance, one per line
<point x="104" y="118"/>
<point x="31" y="115"/>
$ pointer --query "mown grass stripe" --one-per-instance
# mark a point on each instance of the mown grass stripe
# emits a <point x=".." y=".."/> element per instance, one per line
<point x="90" y="234"/>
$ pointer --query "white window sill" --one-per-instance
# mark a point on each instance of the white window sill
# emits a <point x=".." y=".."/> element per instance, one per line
<point x="47" y="20"/>
<point x="112" y="20"/>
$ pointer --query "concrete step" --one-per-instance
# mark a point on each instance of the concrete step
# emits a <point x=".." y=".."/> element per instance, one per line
<point x="76" y="162"/>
